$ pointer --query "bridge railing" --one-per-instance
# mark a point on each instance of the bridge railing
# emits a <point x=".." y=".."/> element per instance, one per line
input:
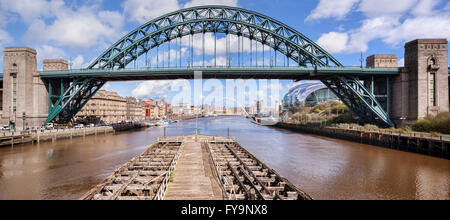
<point x="348" y="68"/>
<point x="165" y="184"/>
<point x="225" y="180"/>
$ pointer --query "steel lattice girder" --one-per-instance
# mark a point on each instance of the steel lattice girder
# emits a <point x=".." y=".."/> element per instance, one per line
<point x="74" y="99"/>
<point x="228" y="20"/>
<point x="363" y="103"/>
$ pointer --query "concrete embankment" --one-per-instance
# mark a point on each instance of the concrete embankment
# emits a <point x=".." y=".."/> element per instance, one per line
<point x="411" y="142"/>
<point x="15" y="138"/>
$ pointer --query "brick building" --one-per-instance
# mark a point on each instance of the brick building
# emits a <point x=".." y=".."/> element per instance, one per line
<point x="104" y="107"/>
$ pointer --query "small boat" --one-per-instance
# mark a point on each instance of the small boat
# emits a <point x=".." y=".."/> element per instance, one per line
<point x="162" y="123"/>
<point x="265" y="121"/>
<point x="149" y="124"/>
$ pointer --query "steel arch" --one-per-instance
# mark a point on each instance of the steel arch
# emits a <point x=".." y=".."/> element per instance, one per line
<point x="228" y="20"/>
<point x="220" y="19"/>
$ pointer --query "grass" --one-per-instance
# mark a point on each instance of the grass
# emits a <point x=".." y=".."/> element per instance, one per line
<point x="338" y="114"/>
<point x="436" y="124"/>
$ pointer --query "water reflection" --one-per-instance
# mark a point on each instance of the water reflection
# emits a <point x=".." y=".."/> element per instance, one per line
<point x="325" y="168"/>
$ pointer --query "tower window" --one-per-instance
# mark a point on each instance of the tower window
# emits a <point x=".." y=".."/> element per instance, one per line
<point x="433" y="89"/>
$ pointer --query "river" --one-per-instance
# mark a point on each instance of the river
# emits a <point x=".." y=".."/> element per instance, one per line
<point x="324" y="168"/>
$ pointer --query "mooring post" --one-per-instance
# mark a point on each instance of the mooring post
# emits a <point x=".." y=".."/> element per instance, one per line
<point x="164" y="132"/>
<point x="228" y="132"/>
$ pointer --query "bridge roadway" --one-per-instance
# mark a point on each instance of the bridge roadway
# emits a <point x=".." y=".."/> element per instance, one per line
<point x="223" y="72"/>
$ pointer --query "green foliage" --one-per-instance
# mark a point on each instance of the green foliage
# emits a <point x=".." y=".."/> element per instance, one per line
<point x="439" y="123"/>
<point x="345" y="118"/>
<point x="371" y="127"/>
<point x="333" y="111"/>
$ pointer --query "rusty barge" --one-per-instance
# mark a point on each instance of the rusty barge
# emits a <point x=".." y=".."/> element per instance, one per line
<point x="196" y="168"/>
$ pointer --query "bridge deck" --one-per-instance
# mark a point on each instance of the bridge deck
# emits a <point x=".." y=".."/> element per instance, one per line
<point x="193" y="179"/>
<point x="232" y="72"/>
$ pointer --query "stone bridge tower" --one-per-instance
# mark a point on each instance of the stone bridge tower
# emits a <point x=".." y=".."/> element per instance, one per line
<point x="426" y="61"/>
<point x="24" y="93"/>
<point x="422" y="88"/>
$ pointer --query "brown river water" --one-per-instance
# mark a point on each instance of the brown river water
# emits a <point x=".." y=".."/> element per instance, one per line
<point x="324" y="168"/>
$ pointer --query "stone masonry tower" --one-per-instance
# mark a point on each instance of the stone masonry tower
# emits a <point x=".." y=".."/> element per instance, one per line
<point x="426" y="61"/>
<point x="382" y="61"/>
<point x="422" y="87"/>
<point x="55" y="65"/>
<point x="25" y="95"/>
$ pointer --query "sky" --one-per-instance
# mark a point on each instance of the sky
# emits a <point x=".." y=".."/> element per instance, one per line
<point x="80" y="30"/>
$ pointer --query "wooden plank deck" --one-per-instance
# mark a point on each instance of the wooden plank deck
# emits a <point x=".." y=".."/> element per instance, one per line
<point x="192" y="178"/>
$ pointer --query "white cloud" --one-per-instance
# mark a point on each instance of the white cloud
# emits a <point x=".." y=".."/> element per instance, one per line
<point x="195" y="3"/>
<point x="420" y="27"/>
<point x="375" y="8"/>
<point x="83" y="27"/>
<point x="402" y="21"/>
<point x="29" y="10"/>
<point x="143" y="11"/>
<point x="112" y="18"/>
<point x="5" y="38"/>
<point x="149" y="89"/>
<point x="34" y="33"/>
<point x="332" y="9"/>
<point x="81" y="30"/>
<point x="221" y="61"/>
<point x="401" y="62"/>
<point x="164" y="56"/>
<point x="425" y="7"/>
<point x="370" y="29"/>
<point x="220" y="45"/>
<point x="50" y="52"/>
<point x="333" y="42"/>
<point x="78" y="63"/>
<point x="106" y="87"/>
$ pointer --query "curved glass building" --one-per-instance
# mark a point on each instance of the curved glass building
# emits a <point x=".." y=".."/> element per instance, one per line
<point x="307" y="94"/>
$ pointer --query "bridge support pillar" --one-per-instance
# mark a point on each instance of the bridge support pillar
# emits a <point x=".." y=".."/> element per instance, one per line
<point x="25" y="94"/>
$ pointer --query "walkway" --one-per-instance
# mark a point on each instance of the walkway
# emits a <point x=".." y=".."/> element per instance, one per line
<point x="192" y="178"/>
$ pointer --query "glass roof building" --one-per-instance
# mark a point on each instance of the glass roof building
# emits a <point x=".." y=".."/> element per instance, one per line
<point x="307" y="94"/>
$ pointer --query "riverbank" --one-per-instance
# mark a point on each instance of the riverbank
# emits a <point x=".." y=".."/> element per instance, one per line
<point x="37" y="136"/>
<point x="412" y="142"/>
<point x="12" y="138"/>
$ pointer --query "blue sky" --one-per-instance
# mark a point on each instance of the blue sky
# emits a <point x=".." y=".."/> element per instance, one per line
<point x="81" y="30"/>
